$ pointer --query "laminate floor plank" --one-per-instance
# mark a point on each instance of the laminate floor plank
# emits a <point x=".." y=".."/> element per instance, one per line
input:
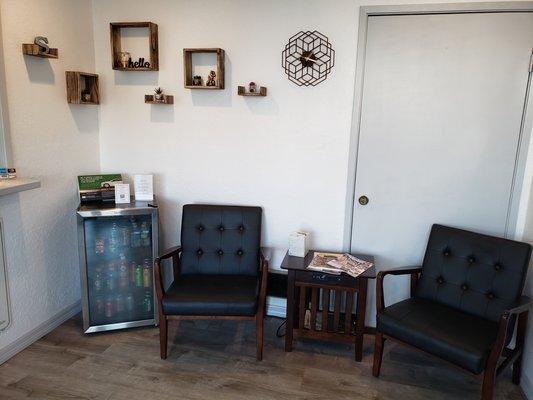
<point x="216" y="359"/>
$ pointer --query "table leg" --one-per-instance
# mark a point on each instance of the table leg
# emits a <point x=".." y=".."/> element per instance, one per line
<point x="361" y="315"/>
<point x="289" y="325"/>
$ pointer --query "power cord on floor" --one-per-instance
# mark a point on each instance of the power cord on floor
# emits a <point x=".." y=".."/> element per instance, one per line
<point x="278" y="331"/>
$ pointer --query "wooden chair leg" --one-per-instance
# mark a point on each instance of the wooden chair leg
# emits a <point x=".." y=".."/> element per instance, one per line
<point x="163" y="332"/>
<point x="488" y="382"/>
<point x="259" y="325"/>
<point x="378" y="354"/>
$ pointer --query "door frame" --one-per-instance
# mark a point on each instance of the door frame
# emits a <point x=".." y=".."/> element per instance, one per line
<point x="427" y="9"/>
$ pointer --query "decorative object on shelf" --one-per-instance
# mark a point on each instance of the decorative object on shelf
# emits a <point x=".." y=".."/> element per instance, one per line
<point x="166" y="99"/>
<point x="189" y="77"/>
<point x="158" y="97"/>
<point x="308" y="58"/>
<point x="197" y="80"/>
<point x="125" y="59"/>
<point x="211" y="79"/>
<point x="39" y="48"/>
<point x="241" y="91"/>
<point x="252" y="87"/>
<point x="42" y="43"/>
<point x="158" y="94"/>
<point x="82" y="87"/>
<point x="143" y="65"/>
<point x="117" y="52"/>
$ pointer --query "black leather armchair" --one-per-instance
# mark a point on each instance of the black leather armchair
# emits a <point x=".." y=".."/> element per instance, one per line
<point x="464" y="305"/>
<point x="219" y="270"/>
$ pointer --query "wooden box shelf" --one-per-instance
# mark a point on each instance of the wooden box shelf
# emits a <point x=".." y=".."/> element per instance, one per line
<point x="241" y="91"/>
<point x="116" y="45"/>
<point x="150" y="99"/>
<point x="80" y="82"/>
<point x="189" y="73"/>
<point x="31" y="49"/>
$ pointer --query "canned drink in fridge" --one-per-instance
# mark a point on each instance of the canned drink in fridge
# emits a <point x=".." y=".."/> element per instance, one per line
<point x="119" y="303"/>
<point x="99" y="306"/>
<point x="130" y="303"/>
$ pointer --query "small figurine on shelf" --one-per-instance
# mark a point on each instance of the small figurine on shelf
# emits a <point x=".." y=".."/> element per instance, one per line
<point x="124" y="58"/>
<point x="42" y="42"/>
<point x="197" y="80"/>
<point x="158" y="94"/>
<point x="86" y="97"/>
<point x="252" y="87"/>
<point x="211" y="79"/>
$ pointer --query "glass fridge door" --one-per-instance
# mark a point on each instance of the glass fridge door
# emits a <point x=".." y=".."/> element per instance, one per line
<point x="119" y="269"/>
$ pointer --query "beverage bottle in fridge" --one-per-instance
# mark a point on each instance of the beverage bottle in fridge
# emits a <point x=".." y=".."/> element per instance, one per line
<point x="111" y="277"/>
<point x="133" y="266"/>
<point x="135" y="234"/>
<point x="99" y="244"/>
<point x="125" y="236"/>
<point x="130" y="303"/>
<point x="147" y="302"/>
<point x="147" y="273"/>
<point x="98" y="281"/>
<point x="119" y="304"/>
<point x="123" y="274"/>
<point x="99" y="306"/>
<point x="109" y="308"/>
<point x="139" y="275"/>
<point x="145" y="234"/>
<point x="113" y="238"/>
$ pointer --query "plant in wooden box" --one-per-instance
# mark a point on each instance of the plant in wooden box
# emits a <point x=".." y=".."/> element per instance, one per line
<point x="158" y="94"/>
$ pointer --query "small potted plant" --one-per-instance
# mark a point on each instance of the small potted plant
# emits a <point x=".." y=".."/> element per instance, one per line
<point x="252" y="87"/>
<point x="197" y="80"/>
<point x="158" y="94"/>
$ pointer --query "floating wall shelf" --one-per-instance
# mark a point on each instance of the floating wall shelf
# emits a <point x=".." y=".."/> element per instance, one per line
<point x="241" y="91"/>
<point x="116" y="46"/>
<point x="150" y="99"/>
<point x="79" y="83"/>
<point x="31" y="49"/>
<point x="189" y="73"/>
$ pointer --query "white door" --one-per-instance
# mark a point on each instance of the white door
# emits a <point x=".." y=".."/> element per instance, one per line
<point x="442" y="104"/>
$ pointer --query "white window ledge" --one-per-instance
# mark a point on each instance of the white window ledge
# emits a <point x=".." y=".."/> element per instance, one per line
<point x="9" y="186"/>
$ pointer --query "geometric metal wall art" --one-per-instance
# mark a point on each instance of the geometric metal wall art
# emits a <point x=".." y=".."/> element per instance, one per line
<point x="308" y="58"/>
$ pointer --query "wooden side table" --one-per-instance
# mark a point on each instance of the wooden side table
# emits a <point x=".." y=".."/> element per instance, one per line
<point x="303" y="295"/>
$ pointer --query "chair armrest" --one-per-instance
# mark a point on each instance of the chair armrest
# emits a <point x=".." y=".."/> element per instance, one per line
<point x="380" y="298"/>
<point x="169" y="253"/>
<point x="519" y="306"/>
<point x="173" y="253"/>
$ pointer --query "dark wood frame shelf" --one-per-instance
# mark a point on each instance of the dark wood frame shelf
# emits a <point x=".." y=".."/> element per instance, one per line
<point x="75" y="85"/>
<point x="188" y="68"/>
<point x="31" y="49"/>
<point x="116" y="47"/>
<point x="150" y="99"/>
<point x="241" y="91"/>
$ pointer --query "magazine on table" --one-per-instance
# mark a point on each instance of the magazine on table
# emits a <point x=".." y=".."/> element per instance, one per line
<point x="336" y="263"/>
<point x="320" y="263"/>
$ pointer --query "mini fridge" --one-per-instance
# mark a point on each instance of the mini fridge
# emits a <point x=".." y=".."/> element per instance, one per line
<point x="117" y="246"/>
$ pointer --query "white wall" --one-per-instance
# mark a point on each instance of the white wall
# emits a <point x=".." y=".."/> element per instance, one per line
<point x="54" y="142"/>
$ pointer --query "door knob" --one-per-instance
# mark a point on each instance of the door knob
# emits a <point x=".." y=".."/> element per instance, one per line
<point x="363" y="200"/>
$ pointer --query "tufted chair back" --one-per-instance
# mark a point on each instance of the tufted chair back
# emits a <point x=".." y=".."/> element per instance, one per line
<point x="478" y="274"/>
<point x="221" y="240"/>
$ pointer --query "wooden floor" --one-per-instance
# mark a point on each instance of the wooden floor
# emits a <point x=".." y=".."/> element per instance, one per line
<point x="216" y="360"/>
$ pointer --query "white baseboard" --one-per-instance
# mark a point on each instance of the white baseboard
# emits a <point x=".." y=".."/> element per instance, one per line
<point x="39" y="331"/>
<point x="276" y="307"/>
<point x="526" y="385"/>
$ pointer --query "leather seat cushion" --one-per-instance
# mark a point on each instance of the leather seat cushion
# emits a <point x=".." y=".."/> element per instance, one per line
<point x="212" y="295"/>
<point x="461" y="338"/>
